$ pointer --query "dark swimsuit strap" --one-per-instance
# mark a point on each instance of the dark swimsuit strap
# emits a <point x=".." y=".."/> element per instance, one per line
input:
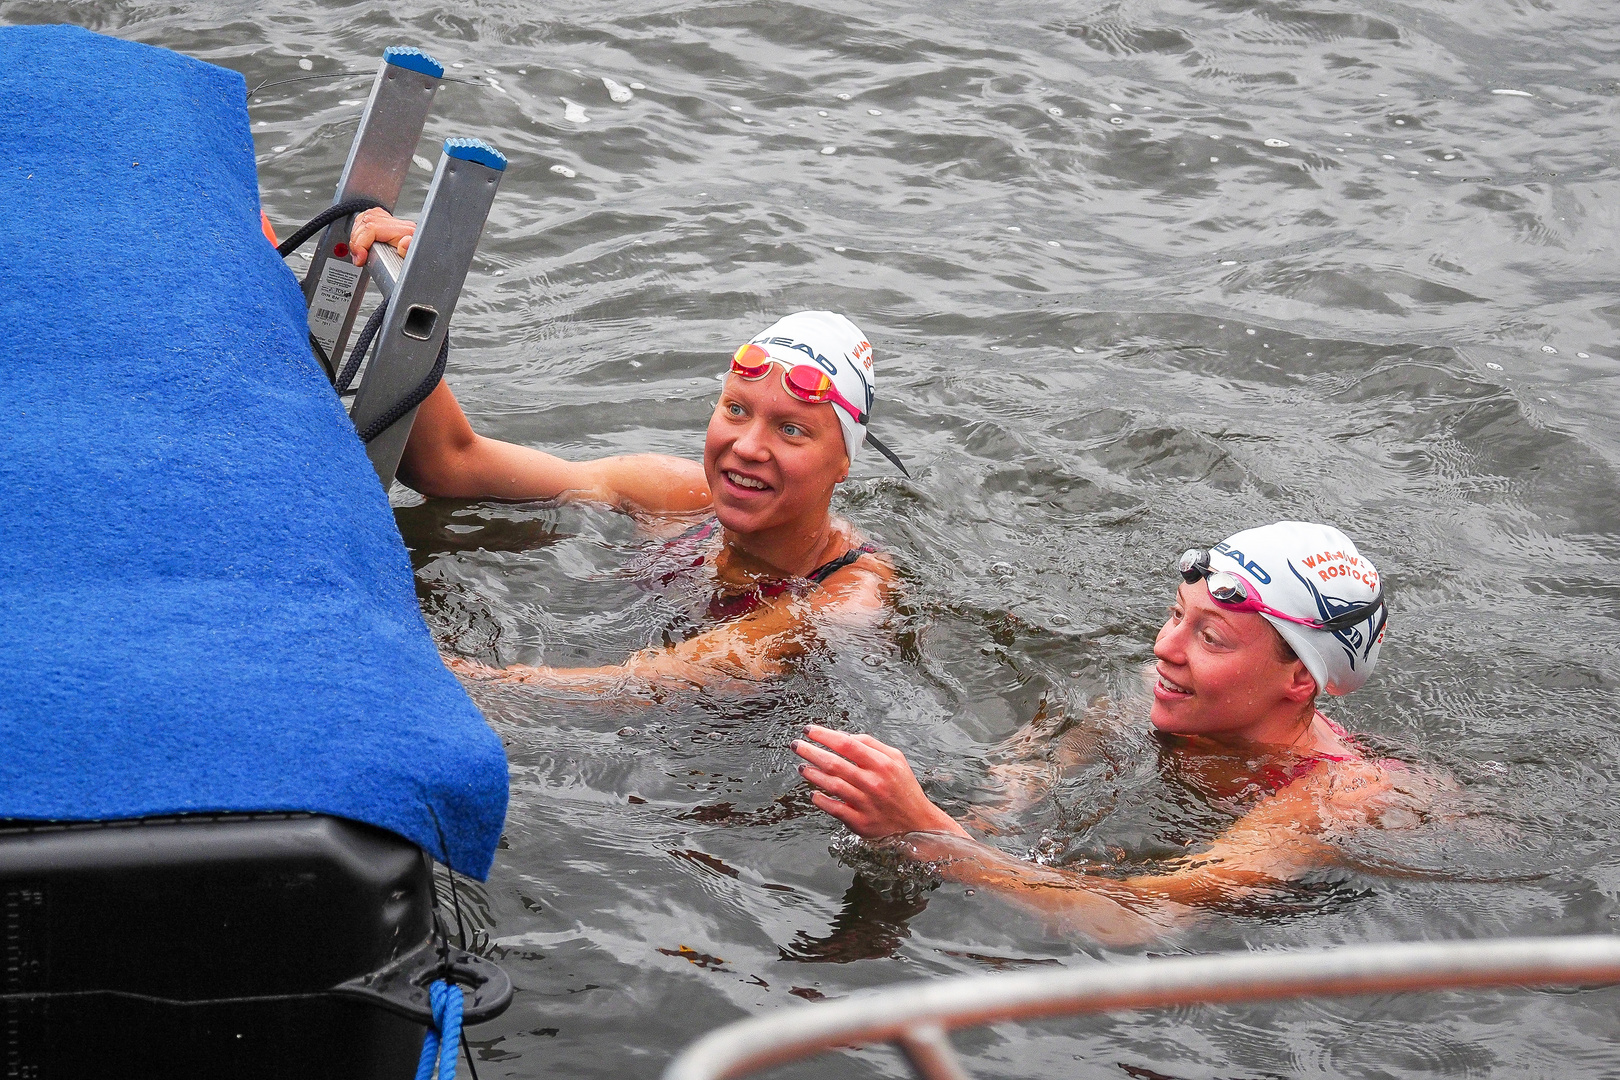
<point x="821" y="573"/>
<point x="704" y="529"/>
<point x="742" y="603"/>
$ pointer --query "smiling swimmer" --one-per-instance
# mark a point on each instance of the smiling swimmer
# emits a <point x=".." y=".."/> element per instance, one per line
<point x="792" y="413"/>
<point x="1260" y="624"/>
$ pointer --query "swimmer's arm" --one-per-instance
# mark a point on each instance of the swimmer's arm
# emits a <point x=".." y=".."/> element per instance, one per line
<point x="1099" y="908"/>
<point x="871" y="789"/>
<point x="1033" y="759"/>
<point x="1273" y="844"/>
<point x="446" y="458"/>
<point x="755" y="647"/>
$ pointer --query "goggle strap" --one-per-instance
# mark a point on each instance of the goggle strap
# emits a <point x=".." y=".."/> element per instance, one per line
<point x="1357" y="615"/>
<point x="1200" y="569"/>
<point x="877" y="444"/>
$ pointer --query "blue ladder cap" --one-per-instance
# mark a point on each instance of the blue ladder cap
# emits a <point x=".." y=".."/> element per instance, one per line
<point x="413" y="60"/>
<point x="476" y="150"/>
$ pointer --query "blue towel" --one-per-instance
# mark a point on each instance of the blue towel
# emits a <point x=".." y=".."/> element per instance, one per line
<point x="206" y="604"/>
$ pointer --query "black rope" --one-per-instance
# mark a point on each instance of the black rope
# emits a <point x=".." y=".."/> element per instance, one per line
<point x="444" y="845"/>
<point x="297" y="240"/>
<point x="362" y="345"/>
<point x="368" y="333"/>
<point x="455" y="897"/>
<point x="326" y="361"/>
<point x="323" y="219"/>
<point x="412" y="399"/>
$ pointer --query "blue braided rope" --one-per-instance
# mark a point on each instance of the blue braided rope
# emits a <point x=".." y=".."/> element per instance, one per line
<point x="442" y="1042"/>
<point x="449" y="1018"/>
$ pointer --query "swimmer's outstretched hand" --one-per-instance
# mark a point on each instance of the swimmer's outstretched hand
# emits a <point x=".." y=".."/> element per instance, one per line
<point x="378" y="227"/>
<point x="868" y="786"/>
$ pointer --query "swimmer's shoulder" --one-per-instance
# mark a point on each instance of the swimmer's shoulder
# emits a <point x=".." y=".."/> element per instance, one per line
<point x="1366" y="762"/>
<point x="864" y="585"/>
<point x="871" y="558"/>
<point x="1368" y="789"/>
<point x="855" y="589"/>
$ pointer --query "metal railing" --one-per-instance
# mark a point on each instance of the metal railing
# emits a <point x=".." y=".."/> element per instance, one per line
<point x="916" y="1017"/>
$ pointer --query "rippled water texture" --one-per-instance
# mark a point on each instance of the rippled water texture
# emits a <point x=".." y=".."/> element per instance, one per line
<point x="1137" y="274"/>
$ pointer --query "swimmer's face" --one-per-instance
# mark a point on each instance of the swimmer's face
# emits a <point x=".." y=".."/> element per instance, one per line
<point x="1220" y="672"/>
<point x="771" y="459"/>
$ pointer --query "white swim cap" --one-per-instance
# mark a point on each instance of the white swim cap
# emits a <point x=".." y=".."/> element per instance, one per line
<point x="837" y="346"/>
<point x="1312" y="572"/>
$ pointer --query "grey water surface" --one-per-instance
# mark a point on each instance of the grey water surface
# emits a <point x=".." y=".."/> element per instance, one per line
<point x="1138" y="274"/>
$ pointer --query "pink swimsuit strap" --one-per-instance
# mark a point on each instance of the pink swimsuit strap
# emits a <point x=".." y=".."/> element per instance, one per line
<point x="1344" y="737"/>
<point x="1277" y="777"/>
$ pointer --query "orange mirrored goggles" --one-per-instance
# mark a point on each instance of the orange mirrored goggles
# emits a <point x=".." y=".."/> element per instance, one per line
<point x="804" y="381"/>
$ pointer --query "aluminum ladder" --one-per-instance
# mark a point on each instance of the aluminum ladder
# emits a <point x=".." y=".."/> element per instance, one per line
<point x="420" y="290"/>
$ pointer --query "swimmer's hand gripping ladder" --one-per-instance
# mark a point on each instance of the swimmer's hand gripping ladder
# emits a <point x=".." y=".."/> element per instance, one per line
<point x="419" y="292"/>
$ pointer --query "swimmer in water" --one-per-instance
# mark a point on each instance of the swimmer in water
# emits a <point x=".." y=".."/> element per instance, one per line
<point x="1260" y="625"/>
<point x="792" y="413"/>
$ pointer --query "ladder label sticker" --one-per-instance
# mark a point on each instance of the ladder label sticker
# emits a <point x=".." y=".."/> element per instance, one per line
<point x="330" y="305"/>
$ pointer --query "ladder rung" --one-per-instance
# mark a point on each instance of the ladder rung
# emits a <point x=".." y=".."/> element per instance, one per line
<point x="385" y="264"/>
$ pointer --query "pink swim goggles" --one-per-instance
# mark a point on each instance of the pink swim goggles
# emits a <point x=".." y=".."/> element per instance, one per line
<point x="804" y="381"/>
<point x="1231" y="591"/>
<point x="808" y="383"/>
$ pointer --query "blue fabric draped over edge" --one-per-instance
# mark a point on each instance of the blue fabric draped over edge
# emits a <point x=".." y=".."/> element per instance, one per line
<point x="208" y="607"/>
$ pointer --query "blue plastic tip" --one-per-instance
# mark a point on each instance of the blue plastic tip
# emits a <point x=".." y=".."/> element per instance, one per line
<point x="476" y="150"/>
<point x="413" y="60"/>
